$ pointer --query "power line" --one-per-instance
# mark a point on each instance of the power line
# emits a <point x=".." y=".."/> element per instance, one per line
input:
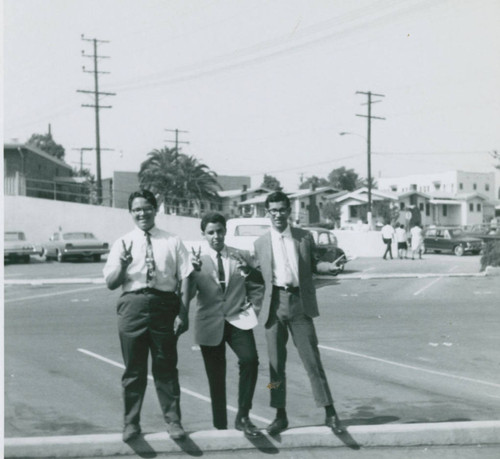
<point x="96" y="105"/>
<point x="177" y="141"/>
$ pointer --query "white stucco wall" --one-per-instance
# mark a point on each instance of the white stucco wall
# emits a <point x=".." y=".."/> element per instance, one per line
<point x="40" y="218"/>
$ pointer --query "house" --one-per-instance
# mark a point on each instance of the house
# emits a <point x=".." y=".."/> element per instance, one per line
<point x="29" y="171"/>
<point x="446" y="208"/>
<point x="307" y="205"/>
<point x="447" y="198"/>
<point x="354" y="206"/>
<point x="241" y="202"/>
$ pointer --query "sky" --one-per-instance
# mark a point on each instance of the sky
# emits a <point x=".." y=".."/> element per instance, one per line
<point x="260" y="86"/>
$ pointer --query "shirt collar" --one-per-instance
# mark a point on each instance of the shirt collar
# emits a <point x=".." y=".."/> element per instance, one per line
<point x="213" y="253"/>
<point x="286" y="233"/>
<point x="153" y="230"/>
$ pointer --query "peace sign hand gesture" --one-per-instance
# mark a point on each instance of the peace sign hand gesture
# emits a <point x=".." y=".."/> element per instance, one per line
<point x="196" y="258"/>
<point x="126" y="255"/>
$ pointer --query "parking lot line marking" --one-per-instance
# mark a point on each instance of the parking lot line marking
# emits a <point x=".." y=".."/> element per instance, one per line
<point x="186" y="391"/>
<point x="44" y="295"/>
<point x="418" y="292"/>
<point x="410" y="367"/>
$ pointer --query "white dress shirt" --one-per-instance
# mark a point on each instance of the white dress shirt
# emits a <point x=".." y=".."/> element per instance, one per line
<point x="280" y="258"/>
<point x="172" y="262"/>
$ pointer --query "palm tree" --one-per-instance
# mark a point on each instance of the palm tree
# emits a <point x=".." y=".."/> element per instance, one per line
<point x="179" y="180"/>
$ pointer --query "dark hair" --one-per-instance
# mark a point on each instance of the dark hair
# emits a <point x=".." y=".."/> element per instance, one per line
<point x="277" y="196"/>
<point x="146" y="194"/>
<point x="212" y="217"/>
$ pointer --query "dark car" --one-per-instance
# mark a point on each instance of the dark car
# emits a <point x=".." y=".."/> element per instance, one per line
<point x="326" y="244"/>
<point x="453" y="240"/>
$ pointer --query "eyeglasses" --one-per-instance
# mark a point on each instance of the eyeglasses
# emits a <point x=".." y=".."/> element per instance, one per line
<point x="145" y="210"/>
<point x="282" y="211"/>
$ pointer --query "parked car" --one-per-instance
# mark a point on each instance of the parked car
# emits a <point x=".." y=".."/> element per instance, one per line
<point x="484" y="232"/>
<point x="16" y="247"/>
<point x="62" y="246"/>
<point x="242" y="232"/>
<point x="455" y="240"/>
<point x="326" y="244"/>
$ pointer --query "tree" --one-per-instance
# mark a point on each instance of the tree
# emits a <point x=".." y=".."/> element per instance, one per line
<point x="89" y="186"/>
<point x="344" y="179"/>
<point x="47" y="144"/>
<point x="332" y="212"/>
<point x="314" y="181"/>
<point x="179" y="180"/>
<point x="271" y="183"/>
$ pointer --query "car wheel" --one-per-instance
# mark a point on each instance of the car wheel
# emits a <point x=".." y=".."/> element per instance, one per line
<point x="59" y="256"/>
<point x="96" y="257"/>
<point x="458" y="250"/>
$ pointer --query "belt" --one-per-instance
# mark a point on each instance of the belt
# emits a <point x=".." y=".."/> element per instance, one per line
<point x="287" y="289"/>
<point x="155" y="291"/>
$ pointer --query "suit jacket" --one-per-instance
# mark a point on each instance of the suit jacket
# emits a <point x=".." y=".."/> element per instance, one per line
<point x="213" y="305"/>
<point x="307" y="264"/>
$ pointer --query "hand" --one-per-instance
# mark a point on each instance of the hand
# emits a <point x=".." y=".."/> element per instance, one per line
<point x="181" y="324"/>
<point x="126" y="255"/>
<point x="196" y="259"/>
<point x="241" y="263"/>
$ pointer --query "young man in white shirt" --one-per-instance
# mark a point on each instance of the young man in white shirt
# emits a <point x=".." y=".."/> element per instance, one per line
<point x="387" y="236"/>
<point x="148" y="264"/>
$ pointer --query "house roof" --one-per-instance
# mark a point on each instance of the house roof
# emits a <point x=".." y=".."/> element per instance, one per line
<point x="36" y="151"/>
<point x="240" y="192"/>
<point x="308" y="192"/>
<point x="361" y="194"/>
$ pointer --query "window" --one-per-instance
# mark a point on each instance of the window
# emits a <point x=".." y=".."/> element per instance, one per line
<point x="478" y="207"/>
<point x="461" y="186"/>
<point x="445" y="210"/>
<point x="474" y="186"/>
<point x="421" y="207"/>
<point x="354" y="211"/>
<point x="302" y="204"/>
<point x="401" y="205"/>
<point x="321" y="205"/>
<point x="487" y="187"/>
<point x="427" y="209"/>
<point x="471" y="207"/>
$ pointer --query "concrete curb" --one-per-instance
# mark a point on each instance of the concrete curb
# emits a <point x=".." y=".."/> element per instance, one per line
<point x="99" y="281"/>
<point x="395" y="435"/>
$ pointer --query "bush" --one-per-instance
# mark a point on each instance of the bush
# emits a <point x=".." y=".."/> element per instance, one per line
<point x="491" y="255"/>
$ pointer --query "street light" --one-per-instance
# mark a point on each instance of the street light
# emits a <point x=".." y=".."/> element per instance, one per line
<point x="369" y="167"/>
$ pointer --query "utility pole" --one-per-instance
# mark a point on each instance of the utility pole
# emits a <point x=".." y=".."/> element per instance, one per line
<point x="177" y="141"/>
<point x="97" y="106"/>
<point x="368" y="148"/>
<point x="81" y="150"/>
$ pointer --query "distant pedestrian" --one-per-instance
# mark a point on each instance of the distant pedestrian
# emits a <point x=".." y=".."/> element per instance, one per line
<point x="402" y="241"/>
<point x="387" y="236"/>
<point x="417" y="242"/>
<point x="149" y="264"/>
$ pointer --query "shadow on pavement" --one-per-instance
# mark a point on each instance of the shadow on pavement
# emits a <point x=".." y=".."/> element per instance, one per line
<point x="141" y="447"/>
<point x="370" y="421"/>
<point x="189" y="446"/>
<point x="262" y="443"/>
<point x="346" y="438"/>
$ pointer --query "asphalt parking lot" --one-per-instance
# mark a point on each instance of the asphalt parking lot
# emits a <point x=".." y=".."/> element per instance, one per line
<point x="396" y="350"/>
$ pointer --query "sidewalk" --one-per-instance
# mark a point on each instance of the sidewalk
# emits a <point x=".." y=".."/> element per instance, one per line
<point x="149" y="445"/>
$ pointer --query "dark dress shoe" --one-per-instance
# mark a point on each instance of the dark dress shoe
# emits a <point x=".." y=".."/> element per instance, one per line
<point x="277" y="426"/>
<point x="175" y="430"/>
<point x="131" y="431"/>
<point x="245" y="425"/>
<point x="334" y="423"/>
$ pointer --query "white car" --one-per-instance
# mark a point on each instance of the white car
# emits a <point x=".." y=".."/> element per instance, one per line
<point x="16" y="247"/>
<point x="242" y="232"/>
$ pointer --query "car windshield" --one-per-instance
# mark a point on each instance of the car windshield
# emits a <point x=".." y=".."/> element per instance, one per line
<point x="251" y="230"/>
<point x="73" y="236"/>
<point x="456" y="233"/>
<point x="14" y="236"/>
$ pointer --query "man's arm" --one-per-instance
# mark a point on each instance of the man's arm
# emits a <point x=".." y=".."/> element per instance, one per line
<point x="117" y="264"/>
<point x="181" y="322"/>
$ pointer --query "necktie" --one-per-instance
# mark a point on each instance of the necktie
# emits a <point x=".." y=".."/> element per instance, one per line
<point x="150" y="261"/>
<point x="220" y="267"/>
<point x="288" y="268"/>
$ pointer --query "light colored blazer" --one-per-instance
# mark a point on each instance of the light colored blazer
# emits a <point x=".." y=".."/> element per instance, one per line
<point x="307" y="261"/>
<point x="214" y="306"/>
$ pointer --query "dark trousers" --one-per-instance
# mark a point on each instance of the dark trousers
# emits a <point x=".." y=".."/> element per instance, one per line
<point x="301" y="327"/>
<point x="388" y="247"/>
<point x="145" y="325"/>
<point x="242" y="342"/>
